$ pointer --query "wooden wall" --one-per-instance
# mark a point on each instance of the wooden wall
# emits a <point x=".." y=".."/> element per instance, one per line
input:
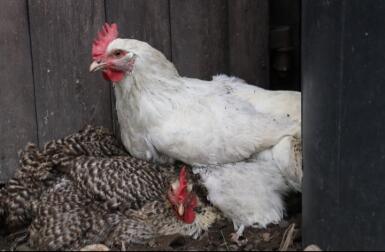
<point x="45" y="47"/>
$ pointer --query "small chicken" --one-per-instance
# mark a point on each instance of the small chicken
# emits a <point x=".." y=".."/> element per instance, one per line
<point x="178" y="212"/>
<point x="69" y="219"/>
<point x="37" y="171"/>
<point x="251" y="193"/>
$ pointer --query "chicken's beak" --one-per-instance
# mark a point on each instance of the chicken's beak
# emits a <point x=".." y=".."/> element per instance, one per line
<point x="97" y="65"/>
<point x="181" y="210"/>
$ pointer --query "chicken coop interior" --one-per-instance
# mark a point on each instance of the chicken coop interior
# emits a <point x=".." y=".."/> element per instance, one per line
<point x="327" y="53"/>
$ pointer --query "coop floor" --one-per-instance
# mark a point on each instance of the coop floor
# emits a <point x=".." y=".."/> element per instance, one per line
<point x="285" y="235"/>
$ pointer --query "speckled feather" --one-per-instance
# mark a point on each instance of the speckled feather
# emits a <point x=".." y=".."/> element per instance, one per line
<point x="85" y="189"/>
<point x="37" y="171"/>
<point x="120" y="180"/>
<point x="110" y="201"/>
<point x="66" y="219"/>
<point x="156" y="219"/>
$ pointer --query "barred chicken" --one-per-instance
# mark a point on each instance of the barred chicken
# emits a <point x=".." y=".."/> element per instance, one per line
<point x="178" y="212"/>
<point x="84" y="189"/>
<point x="69" y="218"/>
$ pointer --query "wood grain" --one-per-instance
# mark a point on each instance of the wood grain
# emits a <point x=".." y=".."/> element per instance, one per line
<point x="146" y="20"/>
<point x="199" y="37"/>
<point x="17" y="109"/>
<point x="249" y="40"/>
<point x="67" y="95"/>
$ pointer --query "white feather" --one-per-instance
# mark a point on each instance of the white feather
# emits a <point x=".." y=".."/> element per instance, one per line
<point x="250" y="193"/>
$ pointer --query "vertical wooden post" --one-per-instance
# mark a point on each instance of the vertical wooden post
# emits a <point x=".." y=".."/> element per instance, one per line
<point x="343" y="124"/>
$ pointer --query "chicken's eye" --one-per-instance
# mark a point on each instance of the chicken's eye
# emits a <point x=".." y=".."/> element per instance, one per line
<point x="117" y="53"/>
<point x="198" y="209"/>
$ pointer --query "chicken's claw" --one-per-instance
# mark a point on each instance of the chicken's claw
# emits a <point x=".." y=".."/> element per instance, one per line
<point x="239" y="240"/>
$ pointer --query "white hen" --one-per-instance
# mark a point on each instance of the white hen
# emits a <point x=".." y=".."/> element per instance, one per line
<point x="166" y="117"/>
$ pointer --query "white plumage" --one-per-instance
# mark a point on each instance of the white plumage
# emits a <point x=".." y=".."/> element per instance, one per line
<point x="195" y="121"/>
<point x="220" y="123"/>
<point x="250" y="193"/>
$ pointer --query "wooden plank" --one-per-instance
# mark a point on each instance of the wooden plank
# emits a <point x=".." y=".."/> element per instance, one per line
<point x="67" y="95"/>
<point x="199" y="37"/>
<point x="146" y="20"/>
<point x="17" y="109"/>
<point x="248" y="40"/>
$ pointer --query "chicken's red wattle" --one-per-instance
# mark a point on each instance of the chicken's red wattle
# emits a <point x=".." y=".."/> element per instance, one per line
<point x="112" y="75"/>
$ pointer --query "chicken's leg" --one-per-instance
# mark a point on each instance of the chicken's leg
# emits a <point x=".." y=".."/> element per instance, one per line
<point x="235" y="237"/>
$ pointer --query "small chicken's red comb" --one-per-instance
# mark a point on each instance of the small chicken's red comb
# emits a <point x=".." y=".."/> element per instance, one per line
<point x="182" y="189"/>
<point x="107" y="34"/>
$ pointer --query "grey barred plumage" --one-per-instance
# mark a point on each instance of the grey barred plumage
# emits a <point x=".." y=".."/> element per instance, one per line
<point x="37" y="170"/>
<point x="66" y="219"/>
<point x="120" y="180"/>
<point x="85" y="189"/>
<point x="112" y="201"/>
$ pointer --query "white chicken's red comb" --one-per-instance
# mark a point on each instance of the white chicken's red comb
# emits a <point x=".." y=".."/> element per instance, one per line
<point x="105" y="36"/>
